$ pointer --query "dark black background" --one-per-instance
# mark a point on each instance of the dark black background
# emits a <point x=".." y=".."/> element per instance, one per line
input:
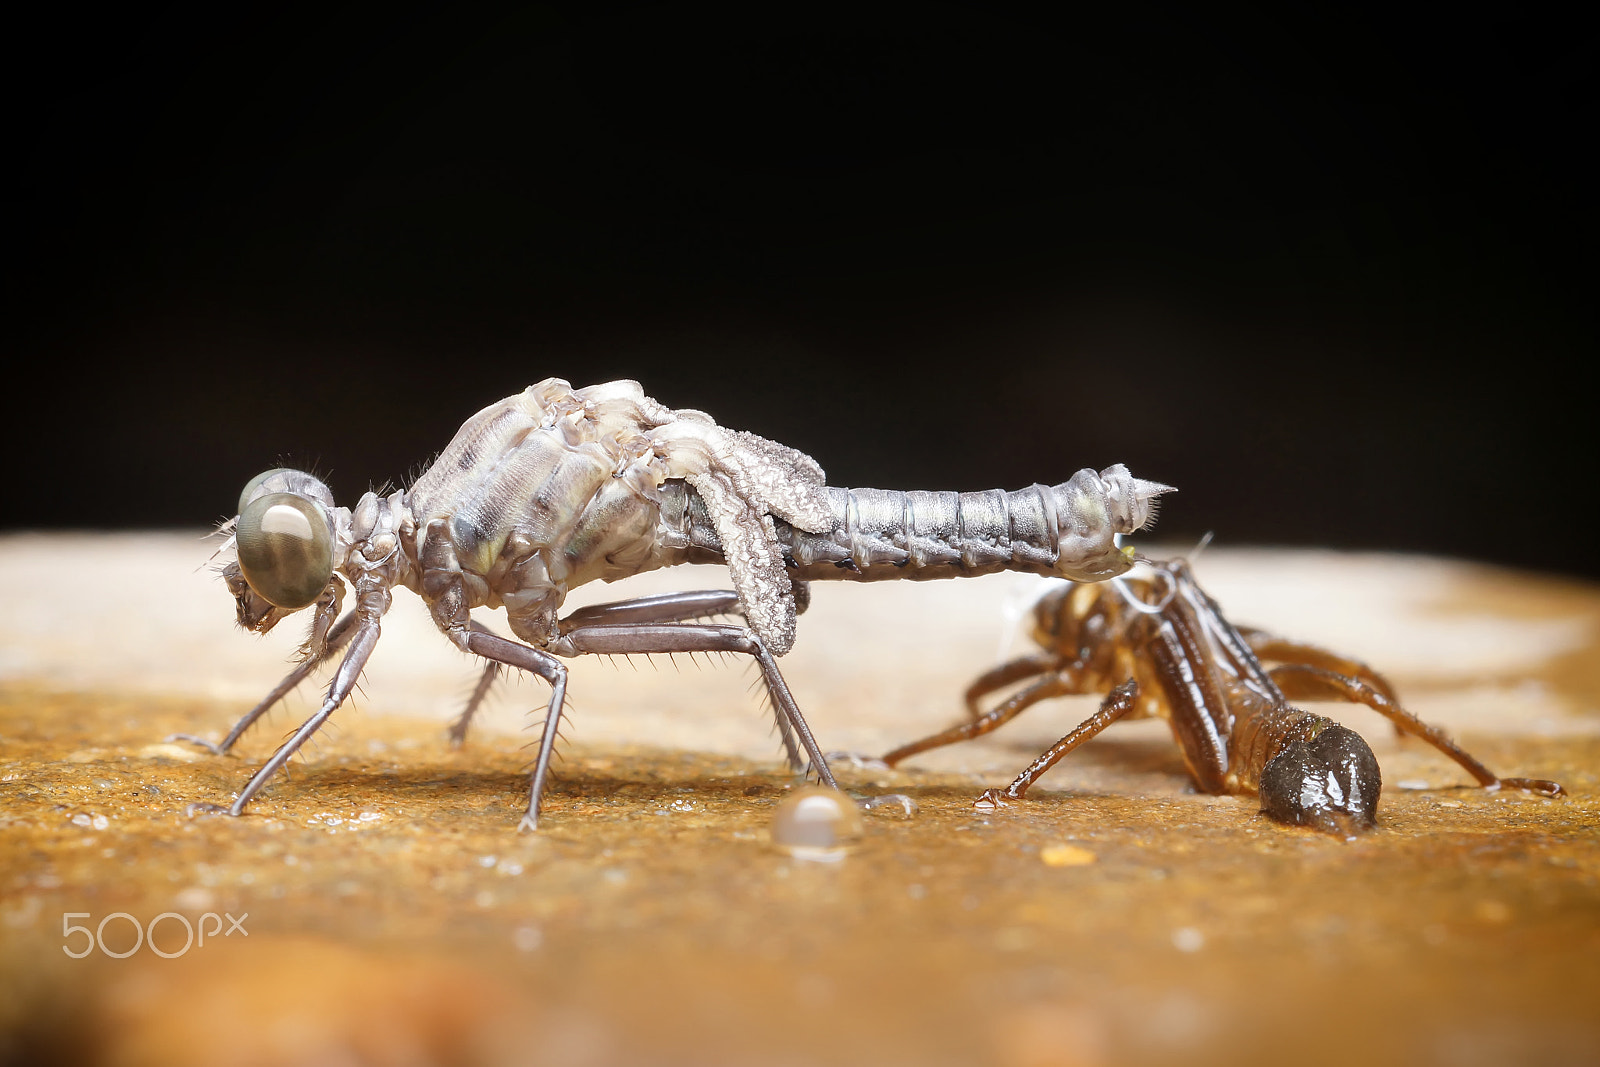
<point x="1331" y="275"/>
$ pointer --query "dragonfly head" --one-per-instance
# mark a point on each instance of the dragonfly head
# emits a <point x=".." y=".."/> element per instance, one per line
<point x="284" y="537"/>
<point x="1329" y="783"/>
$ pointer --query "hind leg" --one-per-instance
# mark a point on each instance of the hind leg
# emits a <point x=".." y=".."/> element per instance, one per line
<point x="1304" y="682"/>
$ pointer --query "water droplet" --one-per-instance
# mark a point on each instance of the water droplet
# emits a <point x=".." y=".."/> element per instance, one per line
<point x="898" y="803"/>
<point x="815" y="818"/>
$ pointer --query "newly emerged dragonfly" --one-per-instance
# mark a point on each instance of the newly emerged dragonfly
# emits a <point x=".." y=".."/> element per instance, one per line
<point x="555" y="487"/>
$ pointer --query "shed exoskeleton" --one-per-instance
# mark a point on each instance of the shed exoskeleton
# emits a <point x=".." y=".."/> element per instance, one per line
<point x="1160" y="646"/>
<point x="554" y="487"/>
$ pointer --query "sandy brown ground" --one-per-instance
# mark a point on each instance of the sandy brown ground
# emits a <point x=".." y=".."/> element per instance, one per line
<point x="395" y="916"/>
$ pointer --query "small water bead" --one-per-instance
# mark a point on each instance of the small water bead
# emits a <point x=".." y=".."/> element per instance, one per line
<point x="815" y="817"/>
<point x="894" y="803"/>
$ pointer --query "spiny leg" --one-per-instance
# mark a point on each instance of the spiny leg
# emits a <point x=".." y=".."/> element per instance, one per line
<point x="337" y="638"/>
<point x="344" y="680"/>
<point x="1119" y="702"/>
<point x="1065" y="682"/>
<point x="480" y="692"/>
<point x="663" y="607"/>
<point x="666" y="607"/>
<point x="486" y="680"/>
<point x="1006" y="673"/>
<point x="680" y="607"/>
<point x="512" y="654"/>
<point x="1304" y="682"/>
<point x="650" y="638"/>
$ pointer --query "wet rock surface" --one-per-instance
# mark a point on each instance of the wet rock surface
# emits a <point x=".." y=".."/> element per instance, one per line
<point x="389" y="912"/>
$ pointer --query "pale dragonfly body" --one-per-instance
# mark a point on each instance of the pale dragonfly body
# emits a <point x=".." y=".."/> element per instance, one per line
<point x="555" y="487"/>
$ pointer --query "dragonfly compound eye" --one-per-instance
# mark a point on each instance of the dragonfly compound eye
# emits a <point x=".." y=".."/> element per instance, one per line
<point x="285" y="480"/>
<point x="285" y="549"/>
<point x="253" y="488"/>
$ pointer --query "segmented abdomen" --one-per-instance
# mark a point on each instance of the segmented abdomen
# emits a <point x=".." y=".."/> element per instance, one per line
<point x="1067" y="530"/>
<point x="1260" y="732"/>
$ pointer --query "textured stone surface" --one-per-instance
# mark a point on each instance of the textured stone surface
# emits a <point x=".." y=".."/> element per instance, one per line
<point x="395" y="915"/>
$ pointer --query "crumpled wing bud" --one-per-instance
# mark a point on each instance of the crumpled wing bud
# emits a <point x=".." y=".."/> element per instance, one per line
<point x="745" y="480"/>
<point x="754" y="558"/>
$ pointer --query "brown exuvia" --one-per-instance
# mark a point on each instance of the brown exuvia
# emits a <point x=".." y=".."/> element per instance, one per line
<point x="1160" y="646"/>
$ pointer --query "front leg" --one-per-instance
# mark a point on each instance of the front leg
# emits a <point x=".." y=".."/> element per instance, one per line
<point x="373" y="602"/>
<point x="1118" y="703"/>
<point x="336" y="638"/>
<point x="650" y="638"/>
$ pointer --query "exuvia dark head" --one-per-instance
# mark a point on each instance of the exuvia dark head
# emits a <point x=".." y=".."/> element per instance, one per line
<point x="284" y="536"/>
<point x="1329" y="783"/>
<point x="1072" y="618"/>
